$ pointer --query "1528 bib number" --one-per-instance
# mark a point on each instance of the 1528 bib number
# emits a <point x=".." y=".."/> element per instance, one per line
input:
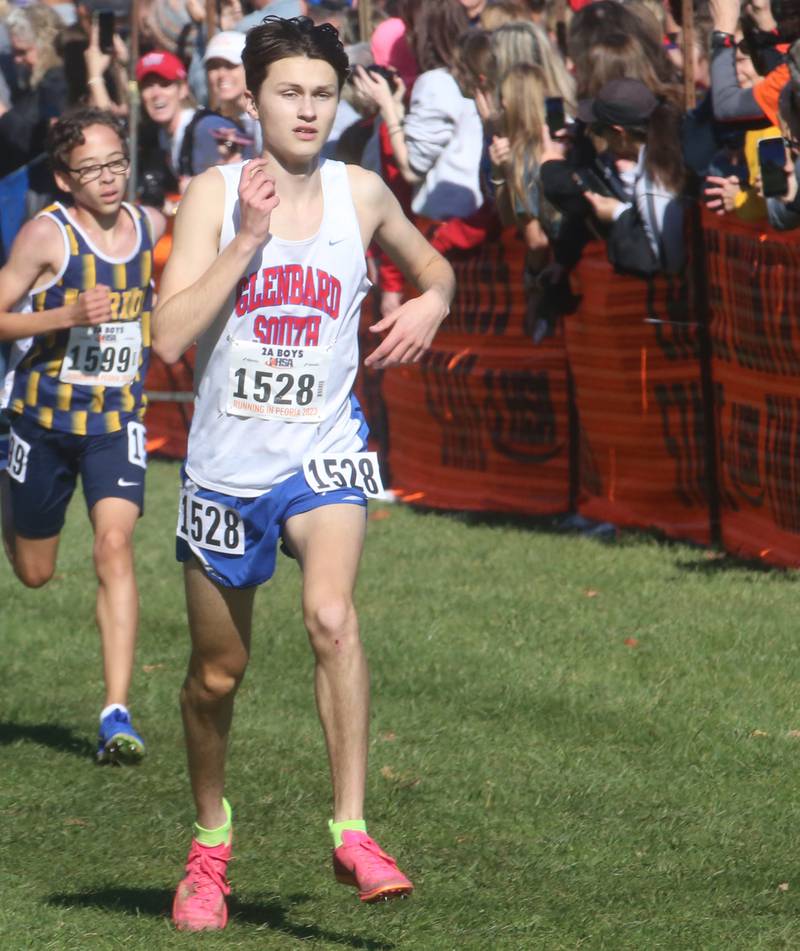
<point x="286" y="384"/>
<point x="344" y="470"/>
<point x="209" y="525"/>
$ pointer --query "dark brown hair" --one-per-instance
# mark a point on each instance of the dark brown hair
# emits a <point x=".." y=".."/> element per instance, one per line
<point x="595" y="23"/>
<point x="622" y="56"/>
<point x="66" y="133"/>
<point x="276" y="38"/>
<point x="432" y="29"/>
<point x="473" y="62"/>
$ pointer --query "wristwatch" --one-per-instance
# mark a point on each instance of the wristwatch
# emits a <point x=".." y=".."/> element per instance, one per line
<point x="721" y="40"/>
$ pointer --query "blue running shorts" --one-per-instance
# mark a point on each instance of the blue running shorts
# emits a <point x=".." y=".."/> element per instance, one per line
<point x="235" y="539"/>
<point x="44" y="464"/>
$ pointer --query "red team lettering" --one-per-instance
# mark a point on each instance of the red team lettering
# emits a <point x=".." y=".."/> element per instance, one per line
<point x="289" y="284"/>
<point x="287" y="331"/>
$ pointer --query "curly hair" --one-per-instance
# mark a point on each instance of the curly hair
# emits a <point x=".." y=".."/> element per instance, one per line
<point x="276" y="38"/>
<point x="66" y="133"/>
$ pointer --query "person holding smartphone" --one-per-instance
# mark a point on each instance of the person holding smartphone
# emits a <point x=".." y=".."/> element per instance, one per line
<point x="645" y="234"/>
<point x="780" y="191"/>
<point x="516" y="155"/>
<point x="106" y="59"/>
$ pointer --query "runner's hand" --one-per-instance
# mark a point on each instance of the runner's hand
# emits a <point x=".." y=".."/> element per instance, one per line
<point x="257" y="200"/>
<point x="92" y="307"/>
<point x="411" y="329"/>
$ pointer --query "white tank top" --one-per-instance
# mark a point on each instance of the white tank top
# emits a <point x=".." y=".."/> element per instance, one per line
<point x="273" y="373"/>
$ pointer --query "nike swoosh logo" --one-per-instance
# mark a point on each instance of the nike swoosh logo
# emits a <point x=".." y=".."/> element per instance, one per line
<point x="337" y="240"/>
<point x="124" y="484"/>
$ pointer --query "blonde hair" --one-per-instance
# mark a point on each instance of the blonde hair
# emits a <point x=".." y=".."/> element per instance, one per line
<point x="526" y="43"/>
<point x="522" y="93"/>
<point x="496" y="14"/>
<point x="38" y="26"/>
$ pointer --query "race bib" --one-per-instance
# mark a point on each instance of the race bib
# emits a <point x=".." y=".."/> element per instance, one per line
<point x="267" y="382"/>
<point x="344" y="470"/>
<point x="18" y="451"/>
<point x="105" y="355"/>
<point x="209" y="525"/>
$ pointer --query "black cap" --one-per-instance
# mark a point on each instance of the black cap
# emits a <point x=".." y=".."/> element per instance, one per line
<point x="623" y="102"/>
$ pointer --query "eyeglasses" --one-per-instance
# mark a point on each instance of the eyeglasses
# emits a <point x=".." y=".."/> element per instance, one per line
<point x="89" y="173"/>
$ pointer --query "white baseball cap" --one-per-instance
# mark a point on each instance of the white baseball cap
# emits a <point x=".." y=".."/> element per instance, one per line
<point x="227" y="45"/>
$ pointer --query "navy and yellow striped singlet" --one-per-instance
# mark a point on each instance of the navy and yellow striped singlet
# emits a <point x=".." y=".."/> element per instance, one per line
<point x="77" y="408"/>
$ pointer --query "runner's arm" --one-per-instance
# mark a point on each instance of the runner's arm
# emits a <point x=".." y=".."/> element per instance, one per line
<point x="197" y="279"/>
<point x="411" y="328"/>
<point x="38" y="251"/>
<point x="158" y="222"/>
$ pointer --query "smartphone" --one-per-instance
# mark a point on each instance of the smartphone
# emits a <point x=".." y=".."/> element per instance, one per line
<point x="589" y="181"/>
<point x="771" y="161"/>
<point x="554" y="114"/>
<point x="106" y="29"/>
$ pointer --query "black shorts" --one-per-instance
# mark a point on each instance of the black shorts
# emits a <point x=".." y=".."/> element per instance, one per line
<point x="44" y="465"/>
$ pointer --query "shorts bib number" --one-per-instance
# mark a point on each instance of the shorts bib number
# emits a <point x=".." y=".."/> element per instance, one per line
<point x="209" y="525"/>
<point x="287" y="383"/>
<point x="105" y="355"/>
<point x="137" y="445"/>
<point x="18" y="451"/>
<point x="344" y="470"/>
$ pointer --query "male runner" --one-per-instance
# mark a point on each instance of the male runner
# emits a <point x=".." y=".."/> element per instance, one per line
<point x="78" y="282"/>
<point x="268" y="273"/>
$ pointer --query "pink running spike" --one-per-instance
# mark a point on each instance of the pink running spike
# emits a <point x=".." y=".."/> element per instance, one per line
<point x="200" y="899"/>
<point x="361" y="862"/>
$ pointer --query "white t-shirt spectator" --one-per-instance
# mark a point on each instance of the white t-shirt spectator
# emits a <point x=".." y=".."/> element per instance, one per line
<point x="444" y="137"/>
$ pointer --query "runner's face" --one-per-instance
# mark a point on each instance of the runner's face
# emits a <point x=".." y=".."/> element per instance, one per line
<point x="161" y="98"/>
<point x="225" y="81"/>
<point x="296" y="106"/>
<point x="104" y="191"/>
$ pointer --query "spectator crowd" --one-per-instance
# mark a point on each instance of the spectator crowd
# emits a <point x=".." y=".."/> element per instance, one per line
<point x="570" y="121"/>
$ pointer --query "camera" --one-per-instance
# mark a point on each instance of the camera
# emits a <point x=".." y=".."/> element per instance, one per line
<point x="388" y="74"/>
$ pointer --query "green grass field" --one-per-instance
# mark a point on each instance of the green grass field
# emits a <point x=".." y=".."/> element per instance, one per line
<point x="575" y="745"/>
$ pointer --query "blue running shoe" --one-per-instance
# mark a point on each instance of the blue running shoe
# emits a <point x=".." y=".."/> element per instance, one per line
<point x="118" y="743"/>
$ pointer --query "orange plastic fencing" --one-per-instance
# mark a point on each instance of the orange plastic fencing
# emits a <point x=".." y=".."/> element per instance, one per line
<point x="634" y="356"/>
<point x="754" y="291"/>
<point x="169" y="387"/>
<point x="482" y="422"/>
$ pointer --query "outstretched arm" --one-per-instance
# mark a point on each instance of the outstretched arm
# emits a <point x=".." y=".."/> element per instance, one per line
<point x="197" y="281"/>
<point x="411" y="328"/>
